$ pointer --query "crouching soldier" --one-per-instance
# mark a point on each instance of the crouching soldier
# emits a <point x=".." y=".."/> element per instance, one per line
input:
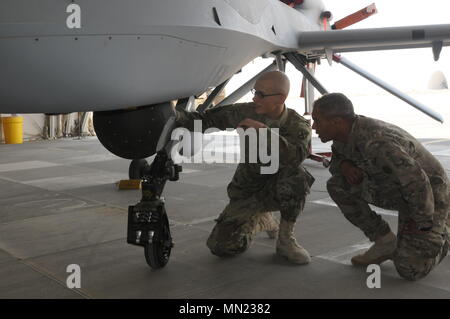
<point x="378" y="163"/>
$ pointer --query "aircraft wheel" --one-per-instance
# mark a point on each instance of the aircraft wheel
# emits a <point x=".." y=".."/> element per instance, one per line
<point x="137" y="168"/>
<point x="157" y="253"/>
<point x="325" y="162"/>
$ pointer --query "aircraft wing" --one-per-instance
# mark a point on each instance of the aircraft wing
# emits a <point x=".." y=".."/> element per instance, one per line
<point x="317" y="42"/>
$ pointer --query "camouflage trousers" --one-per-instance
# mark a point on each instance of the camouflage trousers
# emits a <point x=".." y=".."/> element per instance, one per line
<point x="417" y="252"/>
<point x="234" y="230"/>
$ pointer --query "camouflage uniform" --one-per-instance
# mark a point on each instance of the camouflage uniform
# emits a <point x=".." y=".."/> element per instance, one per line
<point x="399" y="174"/>
<point x="252" y="193"/>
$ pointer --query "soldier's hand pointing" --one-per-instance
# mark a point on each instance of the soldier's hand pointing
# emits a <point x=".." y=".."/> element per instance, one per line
<point x="353" y="174"/>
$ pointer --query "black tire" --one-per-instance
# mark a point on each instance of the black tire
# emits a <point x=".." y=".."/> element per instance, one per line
<point x="326" y="162"/>
<point x="157" y="254"/>
<point x="137" y="168"/>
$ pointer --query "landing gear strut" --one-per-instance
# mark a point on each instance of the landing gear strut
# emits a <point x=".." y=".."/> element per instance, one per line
<point x="148" y="225"/>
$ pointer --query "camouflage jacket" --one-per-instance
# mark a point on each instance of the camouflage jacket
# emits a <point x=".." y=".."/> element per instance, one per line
<point x="294" y="138"/>
<point x="393" y="159"/>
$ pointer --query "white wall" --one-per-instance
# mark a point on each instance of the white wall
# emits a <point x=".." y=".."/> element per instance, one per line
<point x="33" y="126"/>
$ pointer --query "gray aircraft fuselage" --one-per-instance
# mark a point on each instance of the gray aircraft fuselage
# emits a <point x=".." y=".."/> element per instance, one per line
<point x="59" y="56"/>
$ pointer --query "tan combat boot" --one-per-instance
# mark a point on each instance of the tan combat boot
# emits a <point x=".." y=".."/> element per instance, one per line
<point x="381" y="251"/>
<point x="266" y="222"/>
<point x="288" y="247"/>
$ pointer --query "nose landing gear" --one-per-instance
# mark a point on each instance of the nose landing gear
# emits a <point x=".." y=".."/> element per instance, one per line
<point x="148" y="225"/>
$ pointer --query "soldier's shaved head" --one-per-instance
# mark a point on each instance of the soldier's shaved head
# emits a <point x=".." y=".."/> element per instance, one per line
<point x="271" y="91"/>
<point x="277" y="81"/>
<point x="335" y="105"/>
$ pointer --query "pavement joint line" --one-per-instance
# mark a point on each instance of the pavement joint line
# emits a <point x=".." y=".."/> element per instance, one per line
<point x="49" y="275"/>
<point x="198" y="221"/>
<point x="14" y="181"/>
<point x="101" y="204"/>
<point x="61" y="178"/>
<point x="68" y="212"/>
<point x="344" y="251"/>
<point x="9" y="255"/>
<point x="329" y="202"/>
<point x="68" y="250"/>
<point x="360" y="246"/>
<point x="93" y="200"/>
<point x="7" y="167"/>
<point x="175" y="223"/>
<point x="65" y="193"/>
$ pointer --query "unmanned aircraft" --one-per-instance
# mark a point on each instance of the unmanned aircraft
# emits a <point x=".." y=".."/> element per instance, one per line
<point x="131" y="62"/>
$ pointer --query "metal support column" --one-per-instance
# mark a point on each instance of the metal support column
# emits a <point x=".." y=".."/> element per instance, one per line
<point x="394" y="91"/>
<point x="209" y="101"/>
<point x="298" y="62"/>
<point x="244" y="89"/>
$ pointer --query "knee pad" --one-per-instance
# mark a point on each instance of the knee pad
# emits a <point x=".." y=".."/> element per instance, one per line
<point x="227" y="249"/>
<point x="411" y="269"/>
<point x="227" y="240"/>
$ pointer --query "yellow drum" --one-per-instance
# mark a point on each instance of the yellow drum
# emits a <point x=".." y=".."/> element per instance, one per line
<point x="13" y="129"/>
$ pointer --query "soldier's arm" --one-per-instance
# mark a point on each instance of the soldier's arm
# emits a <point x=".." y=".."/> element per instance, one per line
<point x="341" y="165"/>
<point x="227" y="116"/>
<point x="336" y="160"/>
<point x="413" y="183"/>
<point x="295" y="150"/>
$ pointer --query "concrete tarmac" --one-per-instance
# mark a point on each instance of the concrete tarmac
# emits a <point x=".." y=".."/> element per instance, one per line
<point x="59" y="206"/>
